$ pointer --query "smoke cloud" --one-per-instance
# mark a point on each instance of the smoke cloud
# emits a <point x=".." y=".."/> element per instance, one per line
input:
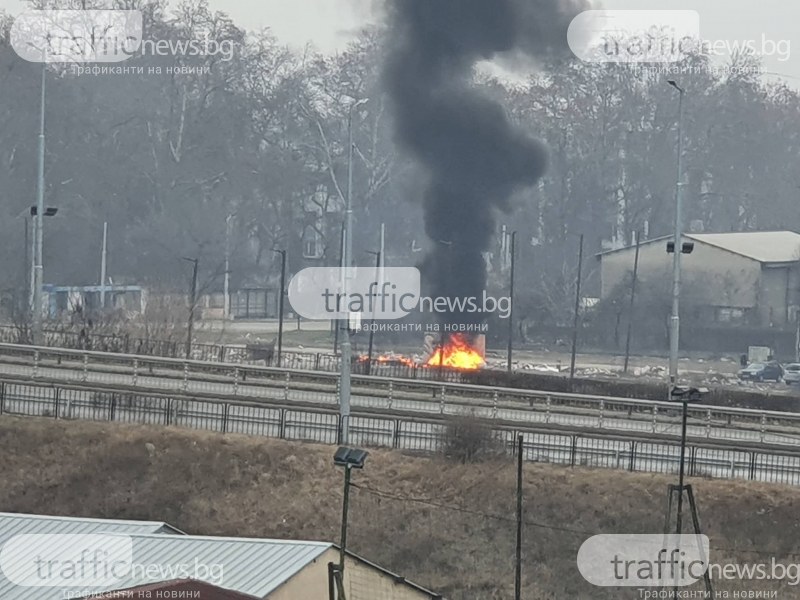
<point x="475" y="159"/>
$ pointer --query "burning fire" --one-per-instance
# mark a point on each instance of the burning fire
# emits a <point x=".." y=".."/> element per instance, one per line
<point x="458" y="354"/>
<point x="392" y="359"/>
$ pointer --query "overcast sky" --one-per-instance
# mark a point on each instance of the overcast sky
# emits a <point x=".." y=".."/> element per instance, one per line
<point x="330" y="24"/>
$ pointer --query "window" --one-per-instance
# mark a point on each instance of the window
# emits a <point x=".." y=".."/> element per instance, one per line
<point x="312" y="243"/>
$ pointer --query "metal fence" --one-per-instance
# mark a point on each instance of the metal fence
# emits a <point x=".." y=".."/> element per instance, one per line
<point x="380" y="394"/>
<point x="424" y="435"/>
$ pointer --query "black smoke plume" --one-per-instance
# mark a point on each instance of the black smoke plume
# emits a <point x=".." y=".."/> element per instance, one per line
<point x="474" y="157"/>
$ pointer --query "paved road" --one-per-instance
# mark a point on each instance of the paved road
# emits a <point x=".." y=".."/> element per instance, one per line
<point x="324" y="393"/>
<point x="404" y="434"/>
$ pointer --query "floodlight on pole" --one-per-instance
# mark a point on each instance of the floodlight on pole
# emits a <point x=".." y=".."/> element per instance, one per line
<point x="348" y="459"/>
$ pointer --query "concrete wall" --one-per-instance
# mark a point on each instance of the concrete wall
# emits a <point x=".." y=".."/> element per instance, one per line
<point x="716" y="277"/>
<point x="361" y="581"/>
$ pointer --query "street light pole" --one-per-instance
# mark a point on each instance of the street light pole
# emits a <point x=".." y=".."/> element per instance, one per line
<point x="226" y="301"/>
<point x="103" y="265"/>
<point x="674" y="330"/>
<point x="576" y="319"/>
<point x="344" y="384"/>
<point x="511" y="301"/>
<point x="38" y="227"/>
<point x="193" y="296"/>
<point x="281" y="294"/>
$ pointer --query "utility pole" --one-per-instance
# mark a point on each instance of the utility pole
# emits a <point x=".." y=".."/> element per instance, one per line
<point x="38" y="228"/>
<point x="577" y="312"/>
<point x="379" y="261"/>
<point x="28" y="269"/>
<point x="630" y="308"/>
<point x="226" y="302"/>
<point x="511" y="301"/>
<point x="103" y="259"/>
<point x="674" y="337"/>
<point x="281" y="294"/>
<point x="192" y="304"/>
<point x="518" y="569"/>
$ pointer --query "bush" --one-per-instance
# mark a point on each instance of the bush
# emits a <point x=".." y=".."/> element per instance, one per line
<point x="470" y="440"/>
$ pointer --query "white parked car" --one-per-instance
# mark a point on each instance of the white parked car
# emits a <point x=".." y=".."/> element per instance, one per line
<point x="791" y="373"/>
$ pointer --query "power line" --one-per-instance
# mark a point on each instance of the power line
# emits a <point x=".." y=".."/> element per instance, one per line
<point x="433" y="504"/>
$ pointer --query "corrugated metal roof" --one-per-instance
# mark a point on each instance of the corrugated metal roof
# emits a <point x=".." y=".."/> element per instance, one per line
<point x="763" y="246"/>
<point x="19" y="523"/>
<point x="250" y="566"/>
<point x="14" y="524"/>
<point x="767" y="247"/>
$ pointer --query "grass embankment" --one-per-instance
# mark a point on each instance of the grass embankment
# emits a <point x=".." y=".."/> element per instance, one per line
<point x="444" y="525"/>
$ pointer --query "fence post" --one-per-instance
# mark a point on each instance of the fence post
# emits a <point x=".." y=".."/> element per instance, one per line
<point x="85" y="373"/>
<point x="753" y="464"/>
<point x="57" y="401"/>
<point x="316" y="362"/>
<point x="600" y="416"/>
<point x="168" y="409"/>
<point x="135" y="372"/>
<point x="35" y="364"/>
<point x="185" y="385"/>
<point x="398" y="424"/>
<point x="573" y="451"/>
<point x="391" y="393"/>
<point x="708" y="424"/>
<point x="632" y="462"/>
<point x="2" y="396"/>
<point x="286" y="387"/>
<point x="225" y="408"/>
<point x="494" y="406"/>
<point x="655" y="418"/>
<point x="112" y="409"/>
<point x="763" y="426"/>
<point x="282" y="424"/>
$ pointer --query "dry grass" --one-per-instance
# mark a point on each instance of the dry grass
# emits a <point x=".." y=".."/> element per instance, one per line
<point x="429" y="521"/>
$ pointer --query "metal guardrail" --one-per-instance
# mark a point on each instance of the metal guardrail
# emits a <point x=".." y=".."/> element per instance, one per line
<point x="426" y="435"/>
<point x="530" y="407"/>
<point x="222" y="353"/>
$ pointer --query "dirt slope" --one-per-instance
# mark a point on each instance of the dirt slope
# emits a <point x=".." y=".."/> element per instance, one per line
<point x="447" y="526"/>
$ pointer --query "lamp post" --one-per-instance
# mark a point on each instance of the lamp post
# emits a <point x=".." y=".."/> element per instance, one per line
<point x="32" y="297"/>
<point x="674" y="330"/>
<point x="684" y="395"/>
<point x="576" y="318"/>
<point x="370" y="346"/>
<point x="344" y="384"/>
<point x="38" y="223"/>
<point x="193" y="302"/>
<point x="281" y="294"/>
<point x="226" y="302"/>
<point x="347" y="458"/>
<point x="511" y="301"/>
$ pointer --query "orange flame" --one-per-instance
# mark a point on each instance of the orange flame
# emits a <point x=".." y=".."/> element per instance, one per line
<point x="389" y="359"/>
<point x="458" y="354"/>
